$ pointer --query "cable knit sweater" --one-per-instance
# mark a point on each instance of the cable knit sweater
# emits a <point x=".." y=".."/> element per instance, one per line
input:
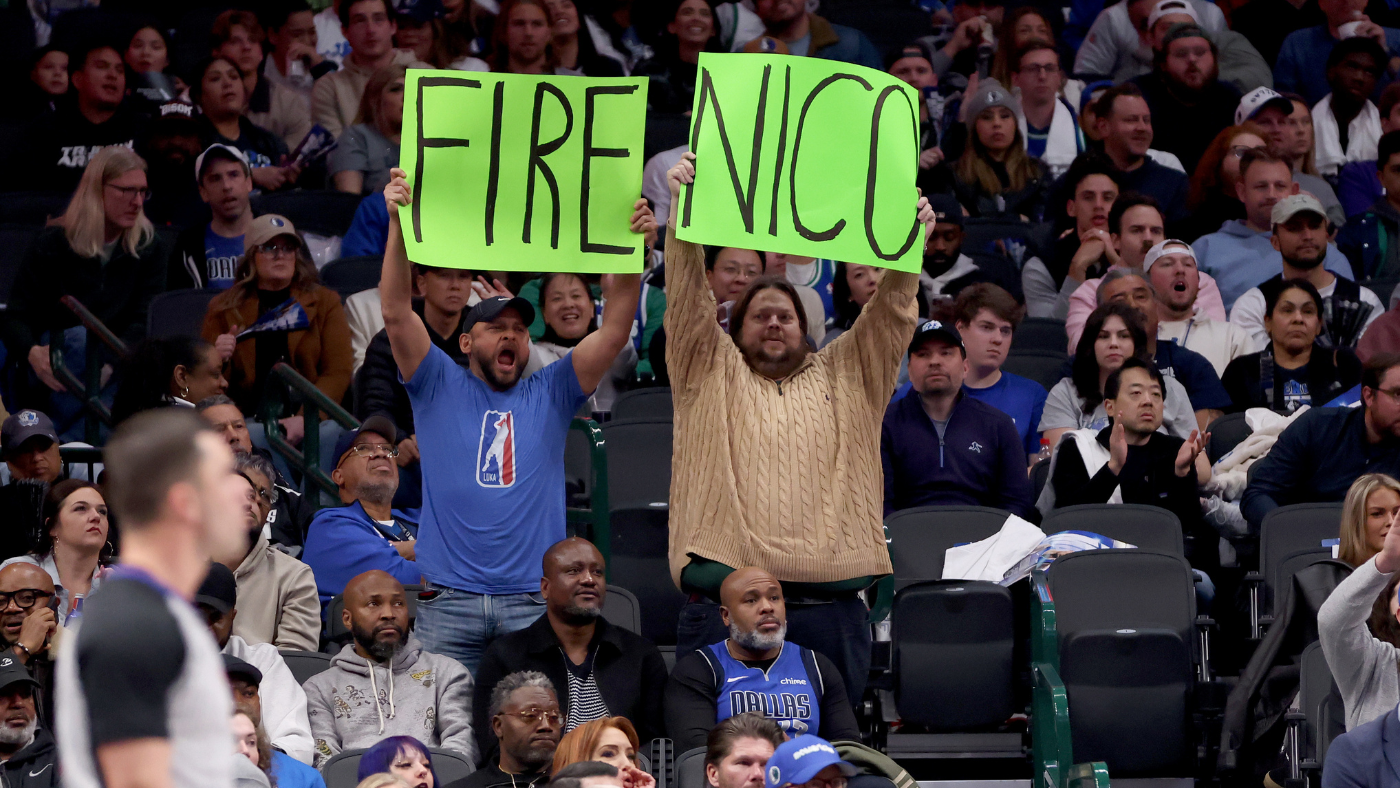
<point x="782" y="475"/>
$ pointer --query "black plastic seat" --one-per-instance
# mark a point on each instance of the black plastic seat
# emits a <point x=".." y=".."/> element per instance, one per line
<point x="919" y="537"/>
<point x="639" y="461"/>
<point x="647" y="403"/>
<point x="1322" y="717"/>
<point x="1226" y="433"/>
<point x="351" y="275"/>
<point x="305" y="664"/>
<point x="1145" y="527"/>
<point x="1040" y="333"/>
<point x="32" y="208"/>
<point x="1042" y="366"/>
<point x="178" y="313"/>
<point x="621" y="609"/>
<point x="690" y="769"/>
<point x="321" y="211"/>
<point x="15" y="240"/>
<point x="640" y="563"/>
<point x="1290" y="538"/>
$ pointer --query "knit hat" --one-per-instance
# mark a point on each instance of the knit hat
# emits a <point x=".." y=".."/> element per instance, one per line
<point x="990" y="94"/>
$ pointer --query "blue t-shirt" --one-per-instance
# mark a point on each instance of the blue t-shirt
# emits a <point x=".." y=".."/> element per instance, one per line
<point x="493" y="473"/>
<point x="1195" y="374"/>
<point x="1020" y="398"/>
<point x="221" y="257"/>
<point x="783" y="693"/>
<point x="1293" y="386"/>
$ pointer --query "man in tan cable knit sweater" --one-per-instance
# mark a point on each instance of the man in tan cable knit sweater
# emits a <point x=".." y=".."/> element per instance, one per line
<point x="777" y="449"/>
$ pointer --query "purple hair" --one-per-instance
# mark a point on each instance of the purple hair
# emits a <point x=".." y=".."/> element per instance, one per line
<point x="380" y="757"/>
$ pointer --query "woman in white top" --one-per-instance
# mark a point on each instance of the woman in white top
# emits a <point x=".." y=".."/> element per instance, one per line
<point x="1113" y="333"/>
<point x="71" y="544"/>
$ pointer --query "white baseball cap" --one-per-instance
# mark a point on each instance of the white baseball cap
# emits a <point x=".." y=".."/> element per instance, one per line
<point x="1167" y="7"/>
<point x="1164" y="248"/>
<point x="225" y="152"/>
<point x="1259" y="98"/>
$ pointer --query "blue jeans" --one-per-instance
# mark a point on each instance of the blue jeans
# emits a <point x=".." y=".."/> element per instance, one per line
<point x="460" y="624"/>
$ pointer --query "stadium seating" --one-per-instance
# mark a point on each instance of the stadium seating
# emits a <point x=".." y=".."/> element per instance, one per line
<point x="351" y="275"/>
<point x="1290" y="538"/>
<point x="1040" y="333"/>
<point x="15" y="240"/>
<point x="31" y="208"/>
<point x="639" y="461"/>
<point x="324" y="212"/>
<point x="639" y="562"/>
<point x="305" y="664"/>
<point x="621" y="609"/>
<point x="178" y="313"/>
<point x="1320" y="720"/>
<point x="1226" y="433"/>
<point x="1147" y="527"/>
<point x="647" y="403"/>
<point x="1042" y="366"/>
<point x="690" y="769"/>
<point x="918" y="537"/>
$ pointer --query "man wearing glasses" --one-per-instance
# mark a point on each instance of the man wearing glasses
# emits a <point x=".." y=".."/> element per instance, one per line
<point x="525" y="717"/>
<point x="27" y="623"/>
<point x="1319" y="456"/>
<point x="383" y="683"/>
<point x="366" y="533"/>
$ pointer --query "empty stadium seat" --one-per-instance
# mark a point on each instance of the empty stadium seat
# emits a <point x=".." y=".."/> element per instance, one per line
<point x="1040" y="333"/>
<point x="1290" y="538"/>
<point x="1042" y="366"/>
<point x="1146" y="527"/>
<point x="305" y="664"/>
<point x="351" y="275"/>
<point x="32" y="208"/>
<point x="1125" y="621"/>
<point x="1320" y="720"/>
<point x="647" y="403"/>
<point x="690" y="769"/>
<point x="178" y="313"/>
<point x="1226" y="433"/>
<point x="639" y="562"/>
<point x="324" y="212"/>
<point x="15" y="240"/>
<point x="639" y="461"/>
<point x="621" y="609"/>
<point x="918" y="537"/>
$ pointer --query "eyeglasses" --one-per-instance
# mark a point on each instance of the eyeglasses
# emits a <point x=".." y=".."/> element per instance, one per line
<point x="373" y="450"/>
<point x="275" y="249"/>
<point x="132" y="192"/>
<point x="553" y="717"/>
<point x="1238" y="151"/>
<point x="1048" y="69"/>
<point x="1392" y="393"/>
<point x="834" y="782"/>
<point x="24" y="598"/>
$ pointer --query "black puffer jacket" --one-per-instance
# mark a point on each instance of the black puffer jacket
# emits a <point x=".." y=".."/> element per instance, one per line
<point x="35" y="766"/>
<point x="377" y="386"/>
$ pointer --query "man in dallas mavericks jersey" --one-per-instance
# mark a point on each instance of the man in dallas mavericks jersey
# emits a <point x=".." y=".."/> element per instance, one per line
<point x="755" y="670"/>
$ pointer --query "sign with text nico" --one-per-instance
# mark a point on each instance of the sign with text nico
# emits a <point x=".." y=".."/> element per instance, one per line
<point x="804" y="156"/>
<point x="520" y="172"/>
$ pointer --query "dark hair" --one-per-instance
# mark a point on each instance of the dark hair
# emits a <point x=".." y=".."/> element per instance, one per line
<point x="741" y="304"/>
<point x="846" y="310"/>
<point x="346" y="5"/>
<point x="1125" y="202"/>
<point x="667" y="46"/>
<point x="1103" y="107"/>
<point x="148" y="454"/>
<point x="274" y="15"/>
<point x="1090" y="162"/>
<point x="1085" y="367"/>
<point x="53" y="504"/>
<point x="381" y="756"/>
<point x="1390" y="141"/>
<point x="712" y="254"/>
<point x="581" y="769"/>
<point x="1275" y="295"/>
<point x="1389" y="98"/>
<point x="1115" y="378"/>
<point x="550" y="335"/>
<point x="224" y="23"/>
<point x="1260" y="156"/>
<point x="749" y="725"/>
<point x="197" y="83"/>
<point x="148" y="373"/>
<point x="1034" y="45"/>
<point x="78" y="57"/>
<point x="1358" y="45"/>
<point x="985" y="295"/>
<point x="1374" y="370"/>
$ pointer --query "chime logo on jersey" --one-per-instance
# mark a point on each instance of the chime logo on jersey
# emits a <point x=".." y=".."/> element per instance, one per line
<point x="791" y="710"/>
<point x="495" y="457"/>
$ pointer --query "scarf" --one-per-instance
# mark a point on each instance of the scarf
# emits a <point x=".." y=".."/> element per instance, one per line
<point x="1066" y="141"/>
<point x="1363" y="136"/>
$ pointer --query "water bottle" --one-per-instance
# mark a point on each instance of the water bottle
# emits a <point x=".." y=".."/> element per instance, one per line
<point x="1044" y="453"/>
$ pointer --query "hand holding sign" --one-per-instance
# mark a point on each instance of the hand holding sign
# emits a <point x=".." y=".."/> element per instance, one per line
<point x="682" y="173"/>
<point x="398" y="193"/>
<point x="644" y="222"/>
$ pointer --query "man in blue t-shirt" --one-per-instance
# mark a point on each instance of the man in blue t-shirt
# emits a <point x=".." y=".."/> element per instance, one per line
<point x="208" y="255"/>
<point x="986" y="316"/>
<point x="491" y="445"/>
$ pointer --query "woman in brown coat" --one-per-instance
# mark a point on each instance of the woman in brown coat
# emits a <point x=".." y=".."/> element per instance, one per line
<point x="277" y="310"/>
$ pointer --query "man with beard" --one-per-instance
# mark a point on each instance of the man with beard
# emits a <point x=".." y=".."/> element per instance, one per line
<point x="605" y="670"/>
<point x="942" y="447"/>
<point x="28" y="755"/>
<point x="346" y="541"/>
<point x="491" y="444"/>
<point x="1189" y="103"/>
<point x="826" y="539"/>
<point x="1300" y="238"/>
<point x="526" y="720"/>
<point x="1171" y="268"/>
<point x="412" y="692"/>
<point x="754" y="670"/>
<point x="27" y="624"/>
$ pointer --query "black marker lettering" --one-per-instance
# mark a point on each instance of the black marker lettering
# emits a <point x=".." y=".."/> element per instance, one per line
<point x="493" y="176"/>
<point x="590" y="153"/>
<point x="432" y="142"/>
<point x="744" y="197"/>
<point x="537" y="154"/>
<point x="803" y="230"/>
<point x="870" y="177"/>
<point x="782" y="148"/>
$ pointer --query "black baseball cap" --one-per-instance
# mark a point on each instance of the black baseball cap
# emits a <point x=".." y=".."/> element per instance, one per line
<point x="946" y="209"/>
<point x="20" y="427"/>
<point x="219" y="590"/>
<point x="237" y="668"/>
<point x="491" y="308"/>
<point x="379" y="424"/>
<point x="13" y="672"/>
<point x="936" y="329"/>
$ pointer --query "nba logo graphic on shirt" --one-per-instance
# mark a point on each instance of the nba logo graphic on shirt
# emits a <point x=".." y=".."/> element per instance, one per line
<point x="495" y="458"/>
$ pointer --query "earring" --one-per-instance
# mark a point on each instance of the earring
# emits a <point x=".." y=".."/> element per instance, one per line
<point x="186" y="393"/>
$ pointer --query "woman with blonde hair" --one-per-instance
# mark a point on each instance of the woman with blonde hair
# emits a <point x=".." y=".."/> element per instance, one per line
<point x="367" y="150"/>
<point x="104" y="252"/>
<point x="1372" y="503"/>
<point x="611" y="740"/>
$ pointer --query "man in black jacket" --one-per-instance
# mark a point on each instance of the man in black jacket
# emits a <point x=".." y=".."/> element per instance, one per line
<point x="27" y="751"/>
<point x="378" y="389"/>
<point x="599" y="669"/>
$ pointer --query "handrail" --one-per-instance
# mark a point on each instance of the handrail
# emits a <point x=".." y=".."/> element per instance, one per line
<point x="300" y="391"/>
<point x="89" y="390"/>
<point x="597" y="515"/>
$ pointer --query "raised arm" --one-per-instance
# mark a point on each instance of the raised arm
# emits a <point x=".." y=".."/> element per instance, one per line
<point x="408" y="337"/>
<point x="594" y="356"/>
<point x="694" y="340"/>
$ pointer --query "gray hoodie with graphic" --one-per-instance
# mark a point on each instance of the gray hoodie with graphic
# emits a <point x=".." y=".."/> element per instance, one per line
<point x="357" y="702"/>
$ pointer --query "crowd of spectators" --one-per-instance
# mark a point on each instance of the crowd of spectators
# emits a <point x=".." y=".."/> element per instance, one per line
<point x="1201" y="202"/>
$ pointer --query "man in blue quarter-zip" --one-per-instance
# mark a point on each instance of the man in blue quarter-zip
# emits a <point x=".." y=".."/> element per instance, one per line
<point x="940" y="446"/>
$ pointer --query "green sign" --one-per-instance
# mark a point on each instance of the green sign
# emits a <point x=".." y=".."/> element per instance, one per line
<point x="804" y="156"/>
<point x="520" y="172"/>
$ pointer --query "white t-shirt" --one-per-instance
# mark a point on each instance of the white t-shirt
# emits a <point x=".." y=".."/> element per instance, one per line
<point x="1248" y="313"/>
<point x="1220" y="342"/>
<point x="330" y="41"/>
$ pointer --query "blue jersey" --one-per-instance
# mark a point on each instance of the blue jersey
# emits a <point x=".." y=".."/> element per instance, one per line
<point x="789" y="692"/>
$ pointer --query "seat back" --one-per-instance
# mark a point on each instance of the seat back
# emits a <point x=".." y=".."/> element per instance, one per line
<point x="918" y="537"/>
<point x="952" y="644"/>
<point x="1226" y="433"/>
<point x="1286" y="534"/>
<point x="647" y="403"/>
<point x="1040" y="333"/>
<point x="449" y="766"/>
<point x="1145" y="527"/>
<point x="178" y="313"/>
<point x="690" y="769"/>
<point x="351" y="275"/>
<point x="621" y="609"/>
<point x="15" y="240"/>
<point x="32" y="208"/>
<point x="342" y="770"/>
<point x="1108" y="589"/>
<point x="578" y="469"/>
<point x="639" y="461"/>
<point x="640" y="563"/>
<point x="321" y="211"/>
<point x="305" y="664"/>
<point x="1315" y="687"/>
<point x="1042" y="366"/>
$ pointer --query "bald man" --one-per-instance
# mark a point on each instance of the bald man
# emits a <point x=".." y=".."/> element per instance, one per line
<point x="598" y="669"/>
<point x="27" y="624"/>
<point x="755" y="669"/>
<point x="383" y="683"/>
